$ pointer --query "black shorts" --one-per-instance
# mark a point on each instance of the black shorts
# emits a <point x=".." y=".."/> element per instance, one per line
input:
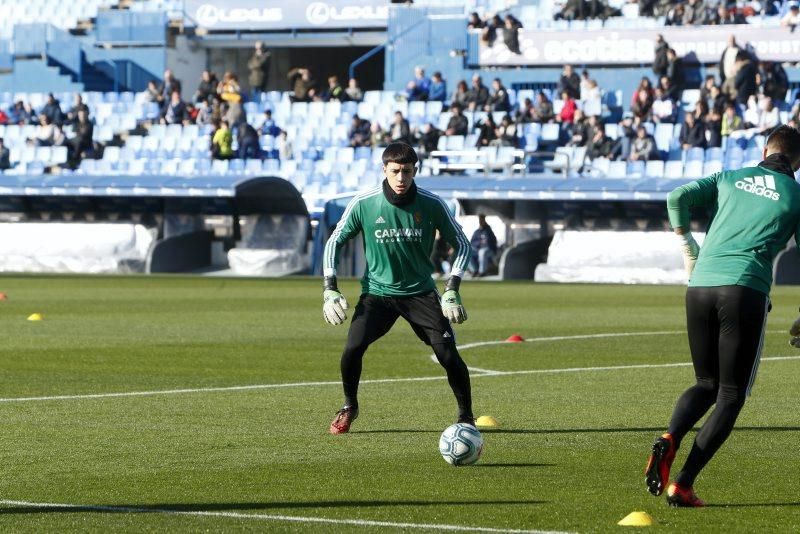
<point x="726" y="326"/>
<point x="374" y="317"/>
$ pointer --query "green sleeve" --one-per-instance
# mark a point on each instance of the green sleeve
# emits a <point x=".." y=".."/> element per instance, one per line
<point x="700" y="193"/>
<point x="452" y="233"/>
<point x="348" y="227"/>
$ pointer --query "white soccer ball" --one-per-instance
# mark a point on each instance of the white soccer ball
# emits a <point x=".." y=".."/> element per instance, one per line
<point x="461" y="444"/>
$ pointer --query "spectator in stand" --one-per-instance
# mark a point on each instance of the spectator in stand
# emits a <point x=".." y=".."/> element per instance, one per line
<point x="590" y="91"/>
<point x="207" y="87"/>
<point x="644" y="85"/>
<point x="731" y="122"/>
<point x="175" y="112"/>
<point x="693" y="133"/>
<point x="770" y="117"/>
<point x="258" y="65"/>
<point x="499" y="100"/>
<point x="359" y="134"/>
<point x="474" y="22"/>
<point x="249" y="146"/>
<point x="153" y="93"/>
<point x="52" y="109"/>
<point x="725" y="15"/>
<point x="660" y="60"/>
<point x="567" y="114"/>
<point x="478" y="95"/>
<point x="490" y="29"/>
<point x="744" y="83"/>
<point x="627" y="133"/>
<point x="669" y="90"/>
<point x="675" y="73"/>
<point x="716" y="100"/>
<point x="572" y="10"/>
<point x="774" y="79"/>
<point x="44" y="133"/>
<point x="79" y="105"/>
<point x="663" y="109"/>
<point x="506" y="132"/>
<point x="569" y="82"/>
<point x="353" y="91"/>
<point x="3" y="117"/>
<point x="461" y="95"/>
<point x="484" y="248"/>
<point x="457" y="125"/>
<point x="229" y="89"/>
<point x="713" y="123"/>
<point x="377" y="136"/>
<point x="5" y="156"/>
<point x="438" y="88"/>
<point x="700" y="110"/>
<point x="511" y="27"/>
<point x="578" y="130"/>
<point x="705" y="89"/>
<point x="728" y="65"/>
<point x="792" y="17"/>
<point x="428" y="138"/>
<point x="694" y="13"/>
<point x="643" y="147"/>
<point x="525" y="112"/>
<point x="171" y="84"/>
<point x="543" y="109"/>
<point x="81" y="141"/>
<point x="752" y="113"/>
<point x="418" y="88"/>
<point x="400" y="131"/>
<point x="675" y="15"/>
<point x="600" y="145"/>
<point x="209" y="112"/>
<point x="488" y="131"/>
<point x="222" y="141"/>
<point x="302" y="84"/>
<point x="269" y="127"/>
<point x="334" y="91"/>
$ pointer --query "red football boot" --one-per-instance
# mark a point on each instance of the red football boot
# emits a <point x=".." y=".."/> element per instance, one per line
<point x="683" y="497"/>
<point x="344" y="418"/>
<point x="659" y="464"/>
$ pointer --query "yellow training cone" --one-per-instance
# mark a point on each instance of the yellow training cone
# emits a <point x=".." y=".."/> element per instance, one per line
<point x="637" y="519"/>
<point x="486" y="421"/>
<point x="35" y="317"/>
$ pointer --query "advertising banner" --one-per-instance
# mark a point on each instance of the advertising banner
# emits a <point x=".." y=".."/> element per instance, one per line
<point x="635" y="46"/>
<point x="300" y="14"/>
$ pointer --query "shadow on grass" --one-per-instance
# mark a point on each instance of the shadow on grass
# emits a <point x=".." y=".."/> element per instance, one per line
<point x="511" y="464"/>
<point x="228" y="507"/>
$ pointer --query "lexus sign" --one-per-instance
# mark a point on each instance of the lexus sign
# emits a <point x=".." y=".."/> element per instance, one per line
<point x="261" y="15"/>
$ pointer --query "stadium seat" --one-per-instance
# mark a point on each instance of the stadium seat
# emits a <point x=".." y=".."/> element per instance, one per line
<point x="654" y="169"/>
<point x="663" y="136"/>
<point x="550" y="132"/>
<point x="673" y="170"/>
<point x="617" y="169"/>
<point x="712" y="167"/>
<point x="693" y="169"/>
<point x="455" y="142"/>
<point x="695" y="154"/>
<point x="219" y="166"/>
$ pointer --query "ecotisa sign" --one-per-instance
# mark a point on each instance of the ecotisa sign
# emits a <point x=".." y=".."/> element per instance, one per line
<point x="240" y="15"/>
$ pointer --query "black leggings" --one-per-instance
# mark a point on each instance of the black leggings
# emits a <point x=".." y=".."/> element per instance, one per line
<point x="726" y="326"/>
<point x="374" y="317"/>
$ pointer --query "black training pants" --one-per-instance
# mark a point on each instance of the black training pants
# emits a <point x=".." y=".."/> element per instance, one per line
<point x="726" y="326"/>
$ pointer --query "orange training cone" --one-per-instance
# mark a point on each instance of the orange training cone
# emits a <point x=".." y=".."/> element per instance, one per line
<point x="516" y="338"/>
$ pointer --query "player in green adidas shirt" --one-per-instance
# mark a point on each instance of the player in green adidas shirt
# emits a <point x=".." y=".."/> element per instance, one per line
<point x="398" y="223"/>
<point x="756" y="210"/>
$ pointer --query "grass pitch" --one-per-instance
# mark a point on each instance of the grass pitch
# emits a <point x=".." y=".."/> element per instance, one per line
<point x="569" y="455"/>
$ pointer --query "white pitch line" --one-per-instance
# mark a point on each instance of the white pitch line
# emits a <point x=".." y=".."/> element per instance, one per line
<point x="481" y="373"/>
<point x="272" y="517"/>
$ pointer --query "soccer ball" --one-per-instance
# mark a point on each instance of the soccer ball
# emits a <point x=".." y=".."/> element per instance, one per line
<point x="461" y="444"/>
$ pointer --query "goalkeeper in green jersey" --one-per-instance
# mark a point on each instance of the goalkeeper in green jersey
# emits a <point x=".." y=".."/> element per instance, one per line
<point x="398" y="223"/>
<point x="756" y="210"/>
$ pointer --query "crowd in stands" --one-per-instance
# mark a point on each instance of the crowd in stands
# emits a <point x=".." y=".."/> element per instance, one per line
<point x="684" y="13"/>
<point x="507" y="28"/>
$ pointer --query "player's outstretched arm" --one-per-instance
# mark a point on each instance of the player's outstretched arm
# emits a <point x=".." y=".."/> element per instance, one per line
<point x="333" y="302"/>
<point x="679" y="202"/>
<point x="452" y="307"/>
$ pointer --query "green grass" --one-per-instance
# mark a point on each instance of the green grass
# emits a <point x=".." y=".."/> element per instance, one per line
<point x="569" y="455"/>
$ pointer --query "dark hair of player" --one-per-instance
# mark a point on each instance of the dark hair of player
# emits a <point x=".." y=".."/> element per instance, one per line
<point x="399" y="153"/>
<point x="785" y="140"/>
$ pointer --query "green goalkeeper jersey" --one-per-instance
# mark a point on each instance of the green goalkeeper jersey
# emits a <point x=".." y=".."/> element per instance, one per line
<point x="756" y="210"/>
<point x="398" y="241"/>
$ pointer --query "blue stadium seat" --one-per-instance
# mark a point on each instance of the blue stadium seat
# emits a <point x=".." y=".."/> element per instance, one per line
<point x="695" y="154"/>
<point x="654" y="169"/>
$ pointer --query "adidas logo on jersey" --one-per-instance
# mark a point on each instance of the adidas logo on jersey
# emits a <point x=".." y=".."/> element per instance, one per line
<point x="380" y="220"/>
<point x="763" y="186"/>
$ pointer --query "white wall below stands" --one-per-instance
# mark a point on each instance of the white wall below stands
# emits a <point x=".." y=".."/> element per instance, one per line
<point x="614" y="257"/>
<point x="51" y="247"/>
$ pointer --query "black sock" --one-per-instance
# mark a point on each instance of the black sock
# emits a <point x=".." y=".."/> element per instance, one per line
<point x="691" y="407"/>
<point x="351" y="372"/>
<point x="457" y="376"/>
<point x="713" y="433"/>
